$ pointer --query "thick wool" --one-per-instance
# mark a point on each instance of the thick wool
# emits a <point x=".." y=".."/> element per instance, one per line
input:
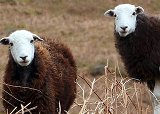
<point x="52" y="71"/>
<point x="140" y="50"/>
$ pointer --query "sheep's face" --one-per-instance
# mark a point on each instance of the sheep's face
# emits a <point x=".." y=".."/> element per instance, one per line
<point x="21" y="43"/>
<point x="125" y="18"/>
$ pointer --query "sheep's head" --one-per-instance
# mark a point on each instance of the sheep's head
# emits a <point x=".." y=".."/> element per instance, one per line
<point x="21" y="43"/>
<point x="125" y="18"/>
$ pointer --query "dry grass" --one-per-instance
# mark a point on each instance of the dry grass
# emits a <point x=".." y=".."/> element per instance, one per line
<point x="111" y="94"/>
<point x="81" y="25"/>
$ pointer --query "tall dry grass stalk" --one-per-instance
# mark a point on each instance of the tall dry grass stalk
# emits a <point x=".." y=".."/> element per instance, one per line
<point x="23" y="109"/>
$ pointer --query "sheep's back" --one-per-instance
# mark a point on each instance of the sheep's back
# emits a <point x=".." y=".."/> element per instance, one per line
<point x="64" y="62"/>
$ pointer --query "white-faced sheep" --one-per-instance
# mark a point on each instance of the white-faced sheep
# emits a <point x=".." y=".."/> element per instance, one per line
<point x="47" y="66"/>
<point x="137" y="39"/>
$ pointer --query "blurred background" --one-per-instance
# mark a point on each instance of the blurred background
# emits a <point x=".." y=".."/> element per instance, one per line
<point x="81" y="25"/>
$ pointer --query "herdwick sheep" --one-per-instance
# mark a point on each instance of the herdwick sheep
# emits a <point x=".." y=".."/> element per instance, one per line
<point x="137" y="39"/>
<point x="47" y="66"/>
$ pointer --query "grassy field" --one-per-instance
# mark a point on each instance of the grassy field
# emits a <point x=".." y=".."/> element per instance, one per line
<point x="82" y="26"/>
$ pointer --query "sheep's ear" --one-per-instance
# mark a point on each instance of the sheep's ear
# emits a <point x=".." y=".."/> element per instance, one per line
<point x="139" y="10"/>
<point x="36" y="37"/>
<point x="109" y="13"/>
<point x="4" y="41"/>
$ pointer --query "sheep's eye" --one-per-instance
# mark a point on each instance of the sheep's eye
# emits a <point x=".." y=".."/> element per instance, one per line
<point x="134" y="13"/>
<point x="11" y="44"/>
<point x="31" y="41"/>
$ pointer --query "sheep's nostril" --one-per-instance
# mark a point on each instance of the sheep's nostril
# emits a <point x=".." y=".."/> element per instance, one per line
<point x="24" y="58"/>
<point x="124" y="28"/>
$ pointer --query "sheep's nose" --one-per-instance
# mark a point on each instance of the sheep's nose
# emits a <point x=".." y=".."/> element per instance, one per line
<point x="124" y="28"/>
<point x="24" y="58"/>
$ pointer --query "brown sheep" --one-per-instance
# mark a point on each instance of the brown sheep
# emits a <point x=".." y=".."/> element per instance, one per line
<point x="51" y="70"/>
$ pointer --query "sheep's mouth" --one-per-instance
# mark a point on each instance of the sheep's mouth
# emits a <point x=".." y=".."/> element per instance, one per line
<point x="24" y="62"/>
<point x="123" y="32"/>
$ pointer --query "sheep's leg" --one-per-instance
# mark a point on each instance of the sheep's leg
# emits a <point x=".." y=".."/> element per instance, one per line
<point x="156" y="97"/>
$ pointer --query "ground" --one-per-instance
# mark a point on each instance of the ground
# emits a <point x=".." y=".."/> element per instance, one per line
<point x="89" y="34"/>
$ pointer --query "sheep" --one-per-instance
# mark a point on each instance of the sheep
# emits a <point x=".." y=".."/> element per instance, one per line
<point x="45" y="65"/>
<point x="137" y="39"/>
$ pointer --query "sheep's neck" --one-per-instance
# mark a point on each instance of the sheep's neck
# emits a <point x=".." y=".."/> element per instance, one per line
<point x="24" y="74"/>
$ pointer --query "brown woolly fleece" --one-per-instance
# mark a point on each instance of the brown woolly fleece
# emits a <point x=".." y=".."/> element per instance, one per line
<point x="53" y="72"/>
<point x="140" y="50"/>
